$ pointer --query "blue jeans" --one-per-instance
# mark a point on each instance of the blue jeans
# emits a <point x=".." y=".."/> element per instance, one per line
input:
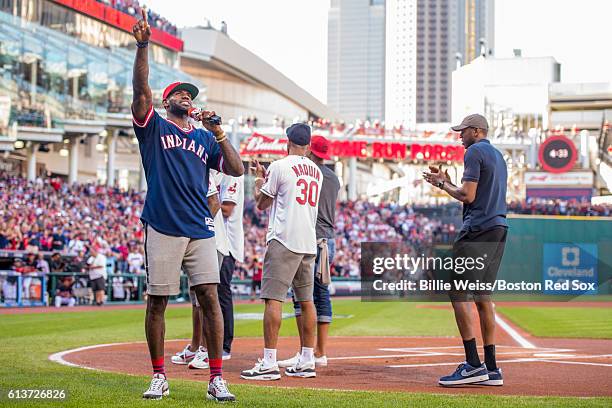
<point x="320" y="294"/>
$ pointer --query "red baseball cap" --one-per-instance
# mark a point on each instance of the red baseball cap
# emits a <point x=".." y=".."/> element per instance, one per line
<point x="319" y="146"/>
<point x="177" y="86"/>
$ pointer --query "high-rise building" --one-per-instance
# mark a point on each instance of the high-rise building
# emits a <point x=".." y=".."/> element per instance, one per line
<point x="356" y="55"/>
<point x="411" y="47"/>
<point x="400" y="63"/>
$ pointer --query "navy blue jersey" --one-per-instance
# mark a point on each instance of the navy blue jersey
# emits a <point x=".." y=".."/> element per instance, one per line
<point x="176" y="163"/>
<point x="485" y="165"/>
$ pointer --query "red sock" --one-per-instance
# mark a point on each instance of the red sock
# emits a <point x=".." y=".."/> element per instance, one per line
<point x="216" y="367"/>
<point x="158" y="365"/>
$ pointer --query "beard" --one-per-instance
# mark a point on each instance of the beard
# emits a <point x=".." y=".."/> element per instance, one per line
<point x="177" y="109"/>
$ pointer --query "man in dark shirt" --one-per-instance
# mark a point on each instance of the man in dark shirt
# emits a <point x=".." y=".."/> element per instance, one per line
<point x="59" y="241"/>
<point x="483" y="235"/>
<point x="64" y="294"/>
<point x="326" y="249"/>
<point x="57" y="264"/>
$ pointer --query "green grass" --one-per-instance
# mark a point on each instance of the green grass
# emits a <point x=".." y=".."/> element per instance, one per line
<point x="570" y="322"/>
<point x="391" y="319"/>
<point x="26" y="341"/>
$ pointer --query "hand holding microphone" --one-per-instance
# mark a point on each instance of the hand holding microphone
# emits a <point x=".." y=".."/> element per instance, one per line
<point x="210" y="121"/>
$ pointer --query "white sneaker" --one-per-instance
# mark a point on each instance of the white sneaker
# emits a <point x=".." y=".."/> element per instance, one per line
<point x="217" y="391"/>
<point x="183" y="357"/>
<point x="300" y="369"/>
<point x="321" y="361"/>
<point x="289" y="362"/>
<point x="226" y="355"/>
<point x="159" y="388"/>
<point x="261" y="373"/>
<point x="200" y="361"/>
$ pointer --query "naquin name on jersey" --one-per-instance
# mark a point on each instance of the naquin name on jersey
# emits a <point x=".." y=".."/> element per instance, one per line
<point x="307" y="170"/>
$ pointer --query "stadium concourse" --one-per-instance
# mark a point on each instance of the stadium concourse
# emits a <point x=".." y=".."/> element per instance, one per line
<point x="51" y="215"/>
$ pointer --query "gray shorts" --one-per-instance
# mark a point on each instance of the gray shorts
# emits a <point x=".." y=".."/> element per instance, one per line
<point x="283" y="268"/>
<point x="165" y="255"/>
<point x="192" y="296"/>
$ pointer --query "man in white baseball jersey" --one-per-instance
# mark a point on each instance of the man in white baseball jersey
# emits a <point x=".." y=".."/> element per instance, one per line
<point x="291" y="187"/>
<point x="231" y="195"/>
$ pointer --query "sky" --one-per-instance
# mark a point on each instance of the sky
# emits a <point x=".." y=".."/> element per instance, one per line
<point x="291" y="35"/>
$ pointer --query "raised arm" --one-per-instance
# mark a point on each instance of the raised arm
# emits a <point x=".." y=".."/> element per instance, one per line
<point x="143" y="99"/>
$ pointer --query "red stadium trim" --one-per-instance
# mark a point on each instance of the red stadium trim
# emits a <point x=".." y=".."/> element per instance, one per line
<point x="147" y="118"/>
<point x="121" y="21"/>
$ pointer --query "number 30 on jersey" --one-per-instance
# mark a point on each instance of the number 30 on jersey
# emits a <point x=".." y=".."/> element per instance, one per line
<point x="308" y="192"/>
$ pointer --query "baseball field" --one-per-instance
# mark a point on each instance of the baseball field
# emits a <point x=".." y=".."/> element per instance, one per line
<point x="382" y="354"/>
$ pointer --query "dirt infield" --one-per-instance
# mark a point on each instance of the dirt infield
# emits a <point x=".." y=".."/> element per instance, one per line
<point x="555" y="367"/>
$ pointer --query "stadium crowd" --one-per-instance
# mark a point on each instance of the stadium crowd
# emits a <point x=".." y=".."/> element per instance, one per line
<point x="133" y="7"/>
<point x="558" y="207"/>
<point x="68" y="220"/>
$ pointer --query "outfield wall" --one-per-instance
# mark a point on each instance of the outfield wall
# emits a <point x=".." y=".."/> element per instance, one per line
<point x="537" y="245"/>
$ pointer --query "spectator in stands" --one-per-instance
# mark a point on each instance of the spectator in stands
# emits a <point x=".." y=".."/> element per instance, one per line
<point x="57" y="263"/>
<point x="63" y="293"/>
<point x="59" y="240"/>
<point x="42" y="265"/>
<point x="132" y="7"/>
<point x="31" y="262"/>
<point x="76" y="244"/>
<point x="256" y="281"/>
<point x="25" y="270"/>
<point x="77" y="263"/>
<point x="135" y="260"/>
<point x="120" y="252"/>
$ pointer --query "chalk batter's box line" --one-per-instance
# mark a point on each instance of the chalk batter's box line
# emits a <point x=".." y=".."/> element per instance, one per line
<point x="412" y="352"/>
<point x="555" y="360"/>
<point x="498" y="348"/>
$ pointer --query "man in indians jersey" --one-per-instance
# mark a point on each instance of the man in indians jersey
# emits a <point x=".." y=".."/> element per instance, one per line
<point x="291" y="187"/>
<point x="178" y="223"/>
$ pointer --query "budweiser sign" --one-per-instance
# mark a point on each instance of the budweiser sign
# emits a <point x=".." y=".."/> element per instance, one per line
<point x="260" y="144"/>
<point x="545" y="179"/>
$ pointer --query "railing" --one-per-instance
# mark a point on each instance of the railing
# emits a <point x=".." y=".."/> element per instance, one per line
<point x="17" y="290"/>
<point x="38" y="289"/>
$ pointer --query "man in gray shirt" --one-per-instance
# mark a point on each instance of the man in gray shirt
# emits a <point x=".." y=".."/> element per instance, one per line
<point x="326" y="248"/>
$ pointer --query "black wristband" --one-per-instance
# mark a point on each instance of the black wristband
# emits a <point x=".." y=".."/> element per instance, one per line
<point x="142" y="44"/>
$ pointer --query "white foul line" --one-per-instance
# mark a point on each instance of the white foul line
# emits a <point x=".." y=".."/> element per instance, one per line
<point x="580" y="363"/>
<point x="513" y="333"/>
<point x="59" y="356"/>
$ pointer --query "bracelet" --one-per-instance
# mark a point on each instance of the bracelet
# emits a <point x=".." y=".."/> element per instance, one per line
<point x="144" y="44"/>
<point x="222" y="139"/>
